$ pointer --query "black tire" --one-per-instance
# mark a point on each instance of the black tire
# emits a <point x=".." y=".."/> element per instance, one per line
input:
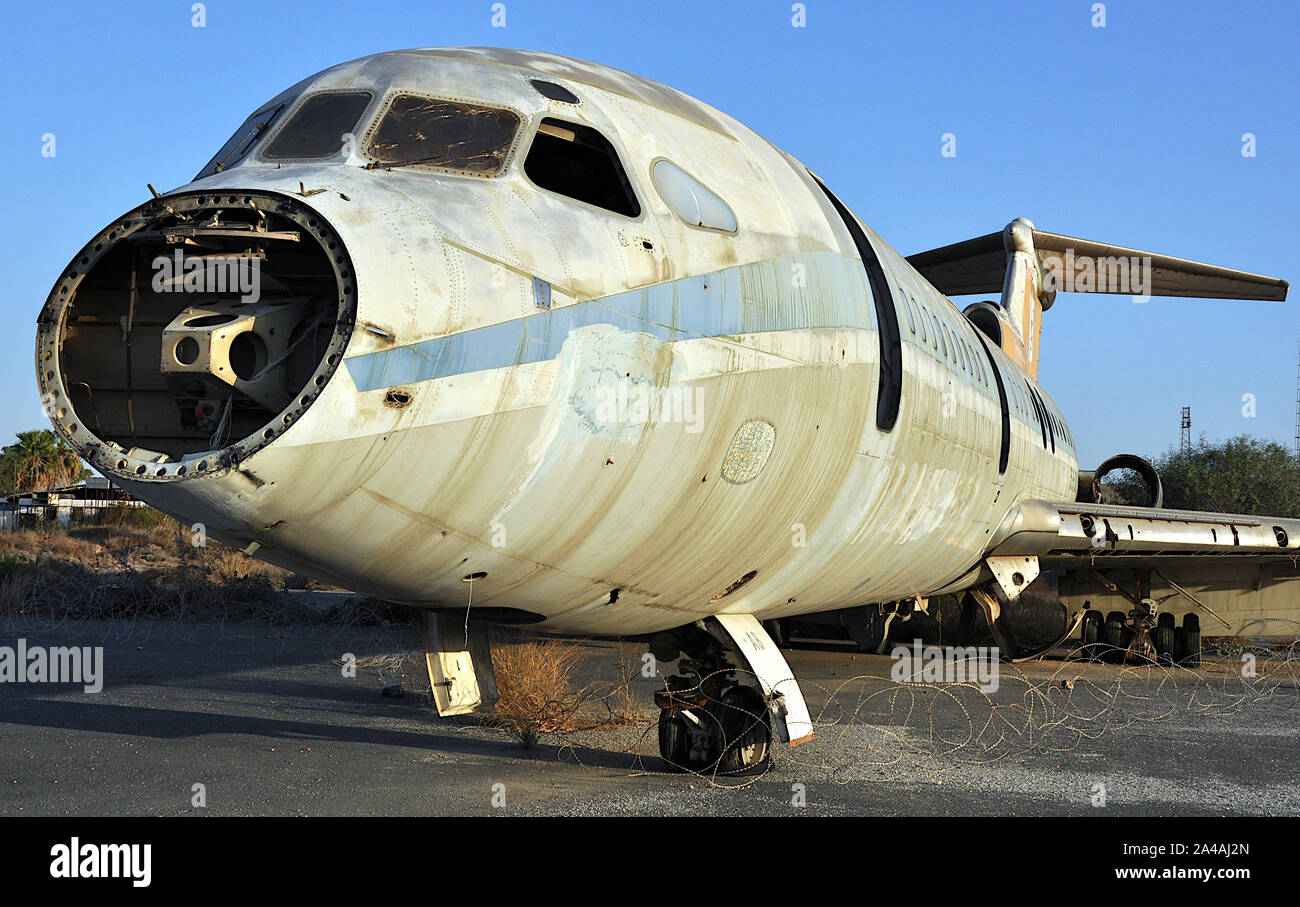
<point x="867" y="630"/>
<point x="1090" y="635"/>
<point x="1163" y="638"/>
<point x="1115" y="637"/>
<point x="746" y="732"/>
<point x="1189" y="656"/>
<point x="779" y="629"/>
<point x="673" y="741"/>
<point x="967" y="620"/>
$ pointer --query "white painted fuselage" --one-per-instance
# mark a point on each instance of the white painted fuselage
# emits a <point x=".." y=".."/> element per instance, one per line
<point x="696" y="405"/>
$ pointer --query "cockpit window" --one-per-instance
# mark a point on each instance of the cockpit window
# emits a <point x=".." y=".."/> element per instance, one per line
<point x="242" y="142"/>
<point x="449" y="135"/>
<point x="579" y="162"/>
<point x="553" y="91"/>
<point x="317" y="127"/>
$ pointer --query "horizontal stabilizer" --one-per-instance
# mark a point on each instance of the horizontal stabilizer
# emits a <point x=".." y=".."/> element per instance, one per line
<point x="980" y="266"/>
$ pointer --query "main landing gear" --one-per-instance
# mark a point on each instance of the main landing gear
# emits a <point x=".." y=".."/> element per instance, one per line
<point x="1144" y="633"/>
<point x="1141" y="635"/>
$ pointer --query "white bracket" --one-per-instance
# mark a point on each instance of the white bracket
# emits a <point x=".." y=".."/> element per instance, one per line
<point x="1013" y="574"/>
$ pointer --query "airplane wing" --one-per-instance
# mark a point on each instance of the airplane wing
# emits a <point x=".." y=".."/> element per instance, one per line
<point x="1236" y="575"/>
<point x="1065" y="534"/>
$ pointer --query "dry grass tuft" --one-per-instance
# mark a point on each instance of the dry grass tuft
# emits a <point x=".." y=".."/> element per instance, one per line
<point x="534" y="683"/>
<point x="227" y="564"/>
<point x="146" y="568"/>
<point x="15" y="590"/>
<point x="538" y="694"/>
<point x="622" y="705"/>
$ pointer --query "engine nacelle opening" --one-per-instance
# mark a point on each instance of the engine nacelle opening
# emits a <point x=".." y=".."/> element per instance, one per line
<point x="193" y="331"/>
<point x="988" y="318"/>
<point x="1092" y="490"/>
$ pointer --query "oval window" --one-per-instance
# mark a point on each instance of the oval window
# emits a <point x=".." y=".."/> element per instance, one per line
<point x="690" y="200"/>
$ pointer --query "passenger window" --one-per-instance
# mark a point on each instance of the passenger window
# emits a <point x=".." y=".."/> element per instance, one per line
<point x="316" y="128"/>
<point x="690" y="200"/>
<point x="579" y="162"/>
<point x="449" y="135"/>
<point x="911" y="314"/>
<point x="934" y="339"/>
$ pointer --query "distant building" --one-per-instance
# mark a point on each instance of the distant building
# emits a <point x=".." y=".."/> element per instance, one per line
<point x="92" y="500"/>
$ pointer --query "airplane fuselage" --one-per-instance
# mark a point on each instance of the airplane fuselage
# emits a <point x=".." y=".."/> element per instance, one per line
<point x="617" y="422"/>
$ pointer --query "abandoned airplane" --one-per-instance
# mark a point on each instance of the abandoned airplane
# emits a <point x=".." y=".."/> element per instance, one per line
<point x="512" y="337"/>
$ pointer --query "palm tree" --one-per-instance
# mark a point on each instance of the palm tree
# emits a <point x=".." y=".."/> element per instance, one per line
<point x="40" y="460"/>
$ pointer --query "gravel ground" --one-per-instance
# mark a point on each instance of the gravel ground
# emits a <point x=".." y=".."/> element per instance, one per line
<point x="266" y="721"/>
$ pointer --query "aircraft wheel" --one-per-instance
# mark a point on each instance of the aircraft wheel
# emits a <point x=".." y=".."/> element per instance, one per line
<point x="867" y="631"/>
<point x="1187" y="642"/>
<point x="779" y="629"/>
<point x="746" y="733"/>
<point x="1162" y="638"/>
<point x="1115" y="637"/>
<point x="1090" y="635"/>
<point x="673" y="742"/>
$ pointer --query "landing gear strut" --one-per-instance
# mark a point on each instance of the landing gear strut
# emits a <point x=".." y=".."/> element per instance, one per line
<point x="990" y="602"/>
<point x="871" y="626"/>
<point x="733" y="699"/>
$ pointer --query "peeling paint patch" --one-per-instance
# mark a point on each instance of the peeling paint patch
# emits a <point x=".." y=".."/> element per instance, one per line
<point x="593" y="363"/>
<point x="398" y="398"/>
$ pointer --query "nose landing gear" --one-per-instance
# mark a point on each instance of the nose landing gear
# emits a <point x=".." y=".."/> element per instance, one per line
<point x="733" y="700"/>
<point x="729" y="736"/>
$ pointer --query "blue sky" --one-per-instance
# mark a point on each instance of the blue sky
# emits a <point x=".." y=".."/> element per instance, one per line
<point x="1131" y="134"/>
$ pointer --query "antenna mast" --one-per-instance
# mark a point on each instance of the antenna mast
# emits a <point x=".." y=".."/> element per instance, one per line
<point x="1297" y="410"/>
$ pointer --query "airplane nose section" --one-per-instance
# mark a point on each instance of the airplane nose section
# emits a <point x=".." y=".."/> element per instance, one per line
<point x="193" y="331"/>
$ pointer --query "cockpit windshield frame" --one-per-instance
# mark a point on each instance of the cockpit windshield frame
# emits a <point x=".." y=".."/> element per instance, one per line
<point x="244" y="139"/>
<point x="496" y="116"/>
<point x="327" y="146"/>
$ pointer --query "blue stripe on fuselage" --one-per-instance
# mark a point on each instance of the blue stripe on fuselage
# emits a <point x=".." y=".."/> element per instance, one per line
<point x="812" y="290"/>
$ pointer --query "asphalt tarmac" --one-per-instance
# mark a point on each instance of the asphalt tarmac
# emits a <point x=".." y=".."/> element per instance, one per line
<point x="257" y="720"/>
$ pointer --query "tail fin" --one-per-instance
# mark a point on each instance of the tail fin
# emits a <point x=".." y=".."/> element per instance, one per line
<point x="1029" y="266"/>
